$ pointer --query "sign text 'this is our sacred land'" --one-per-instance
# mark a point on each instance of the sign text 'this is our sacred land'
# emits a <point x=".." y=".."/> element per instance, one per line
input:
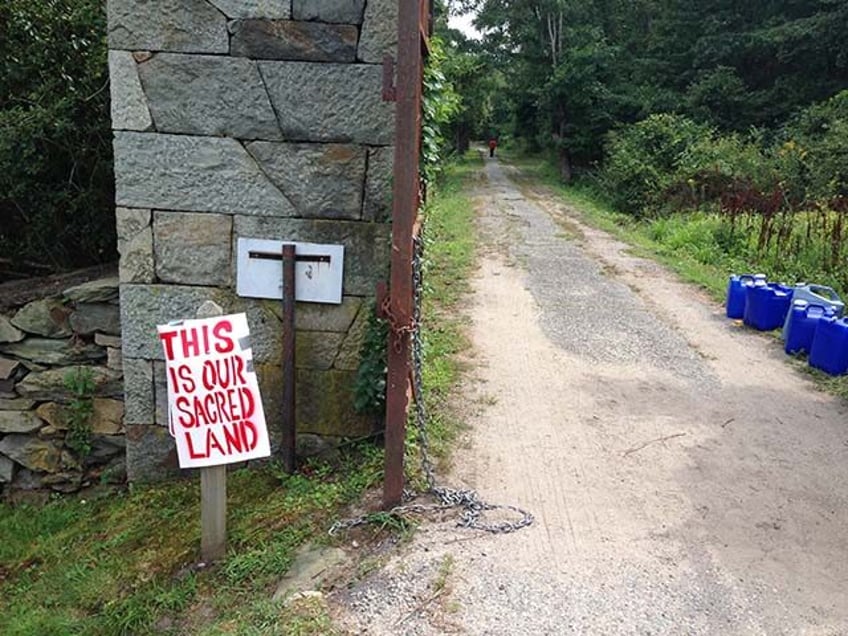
<point x="214" y="409"/>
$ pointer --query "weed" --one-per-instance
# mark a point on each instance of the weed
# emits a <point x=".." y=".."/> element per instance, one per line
<point x="80" y="410"/>
<point x="445" y="570"/>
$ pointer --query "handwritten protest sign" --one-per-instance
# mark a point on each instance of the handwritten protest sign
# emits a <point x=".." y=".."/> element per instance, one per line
<point x="214" y="409"/>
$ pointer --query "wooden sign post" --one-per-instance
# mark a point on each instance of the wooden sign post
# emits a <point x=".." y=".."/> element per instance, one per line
<point x="215" y="411"/>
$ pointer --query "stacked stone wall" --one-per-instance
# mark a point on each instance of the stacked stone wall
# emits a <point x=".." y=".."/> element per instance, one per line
<point x="44" y="345"/>
<point x="255" y="119"/>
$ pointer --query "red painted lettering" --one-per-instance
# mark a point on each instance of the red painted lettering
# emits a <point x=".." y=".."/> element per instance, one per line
<point x="222" y="332"/>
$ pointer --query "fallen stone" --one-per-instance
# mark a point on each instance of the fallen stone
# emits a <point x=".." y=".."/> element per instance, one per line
<point x="321" y="180"/>
<point x="379" y="31"/>
<point x="8" y="332"/>
<point x="50" y="385"/>
<point x="195" y="174"/>
<point x="311" y="567"/>
<point x="193" y="249"/>
<point x="54" y="352"/>
<point x="333" y="103"/>
<point x="287" y="40"/>
<point x="8" y="368"/>
<point x="129" y="107"/>
<point x="35" y="454"/>
<point x="46" y="317"/>
<point x="254" y="8"/>
<point x="95" y="291"/>
<point x="208" y="95"/>
<point x="188" y="26"/>
<point x="23" y="422"/>
<point x="346" y="11"/>
<point x="89" y="318"/>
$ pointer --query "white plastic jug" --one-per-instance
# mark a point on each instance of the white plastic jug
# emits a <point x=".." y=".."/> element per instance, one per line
<point x="815" y="295"/>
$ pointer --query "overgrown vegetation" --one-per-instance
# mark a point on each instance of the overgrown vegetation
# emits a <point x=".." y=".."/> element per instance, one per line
<point x="449" y="253"/>
<point x="80" y="410"/>
<point x="123" y="563"/>
<point x="777" y="206"/>
<point x="56" y="179"/>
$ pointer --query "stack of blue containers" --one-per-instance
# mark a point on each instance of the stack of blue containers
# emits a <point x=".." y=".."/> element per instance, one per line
<point x="809" y="315"/>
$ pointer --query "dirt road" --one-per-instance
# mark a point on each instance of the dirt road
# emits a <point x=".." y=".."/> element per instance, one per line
<point x="684" y="478"/>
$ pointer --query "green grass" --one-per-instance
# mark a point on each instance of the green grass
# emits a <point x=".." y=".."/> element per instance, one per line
<point x="449" y="257"/>
<point x="689" y="244"/>
<point x="121" y="563"/>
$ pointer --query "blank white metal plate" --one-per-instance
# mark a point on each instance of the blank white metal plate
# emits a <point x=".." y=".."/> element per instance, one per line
<point x="316" y="281"/>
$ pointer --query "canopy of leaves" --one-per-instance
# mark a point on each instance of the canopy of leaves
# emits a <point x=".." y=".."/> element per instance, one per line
<point x="56" y="180"/>
<point x="575" y="69"/>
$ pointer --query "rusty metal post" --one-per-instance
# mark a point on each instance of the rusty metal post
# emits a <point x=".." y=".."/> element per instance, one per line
<point x="404" y="213"/>
<point x="289" y="435"/>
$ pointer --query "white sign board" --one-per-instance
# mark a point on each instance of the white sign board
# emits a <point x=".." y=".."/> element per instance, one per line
<point x="214" y="408"/>
<point x="318" y="270"/>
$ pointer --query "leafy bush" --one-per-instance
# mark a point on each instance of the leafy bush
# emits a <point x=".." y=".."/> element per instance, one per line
<point x="815" y="148"/>
<point x="644" y="160"/>
<point x="56" y="183"/>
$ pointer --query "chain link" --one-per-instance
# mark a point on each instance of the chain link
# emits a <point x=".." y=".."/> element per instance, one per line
<point x="446" y="498"/>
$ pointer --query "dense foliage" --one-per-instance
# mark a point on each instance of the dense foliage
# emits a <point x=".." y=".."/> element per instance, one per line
<point x="576" y="69"/>
<point x="56" y="180"/>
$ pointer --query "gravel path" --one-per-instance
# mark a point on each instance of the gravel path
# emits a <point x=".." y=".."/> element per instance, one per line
<point x="685" y="479"/>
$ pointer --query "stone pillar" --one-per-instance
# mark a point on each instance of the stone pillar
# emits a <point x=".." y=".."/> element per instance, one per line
<point x="257" y="119"/>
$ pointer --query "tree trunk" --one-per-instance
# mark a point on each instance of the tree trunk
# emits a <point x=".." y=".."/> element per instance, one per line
<point x="565" y="172"/>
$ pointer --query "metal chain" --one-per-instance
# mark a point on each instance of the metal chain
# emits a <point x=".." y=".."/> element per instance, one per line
<point x="446" y="498"/>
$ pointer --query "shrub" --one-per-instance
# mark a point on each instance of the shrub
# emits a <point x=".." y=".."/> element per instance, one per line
<point x="814" y="150"/>
<point x="643" y="160"/>
<point x="56" y="183"/>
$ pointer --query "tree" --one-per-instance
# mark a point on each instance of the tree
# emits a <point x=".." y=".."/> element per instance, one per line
<point x="56" y="183"/>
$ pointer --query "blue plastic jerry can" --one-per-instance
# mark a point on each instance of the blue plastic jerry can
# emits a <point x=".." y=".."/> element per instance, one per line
<point x="801" y="325"/>
<point x="830" y="346"/>
<point x="736" y="287"/>
<point x="766" y="305"/>
<point x="815" y="295"/>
